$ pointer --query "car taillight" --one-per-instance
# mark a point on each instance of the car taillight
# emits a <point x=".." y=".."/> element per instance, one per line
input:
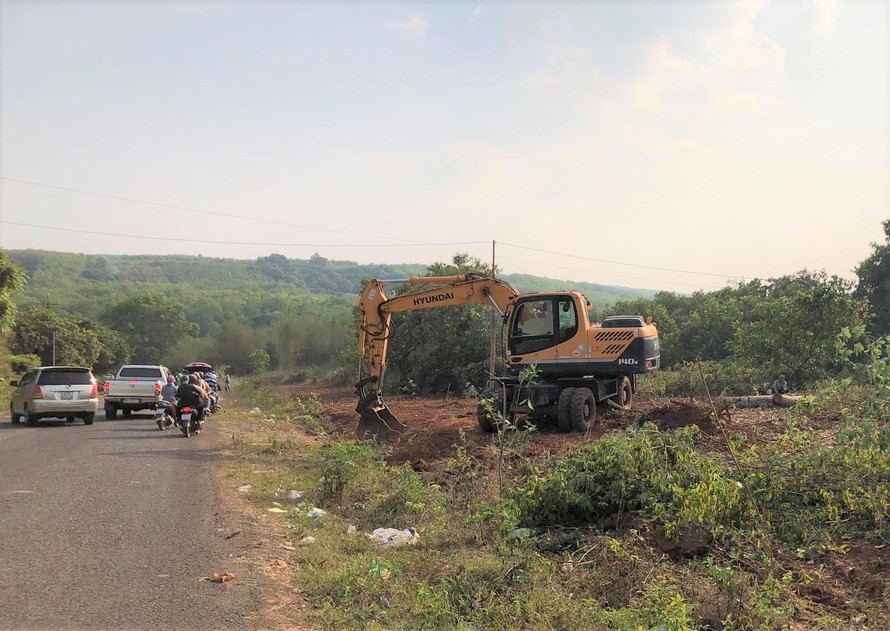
<point x="157" y="389"/>
<point x="186" y="410"/>
<point x="105" y="387"/>
<point x="95" y="392"/>
<point x="38" y="393"/>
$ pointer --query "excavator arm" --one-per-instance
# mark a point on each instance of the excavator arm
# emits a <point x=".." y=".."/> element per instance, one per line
<point x="375" y="312"/>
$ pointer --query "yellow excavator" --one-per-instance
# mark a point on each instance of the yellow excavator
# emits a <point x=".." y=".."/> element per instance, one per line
<point x="579" y="363"/>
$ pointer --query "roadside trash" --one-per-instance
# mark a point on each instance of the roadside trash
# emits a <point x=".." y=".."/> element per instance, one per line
<point x="245" y="488"/>
<point x="393" y="538"/>
<point x="383" y="600"/>
<point x="255" y="411"/>
<point x="350" y="530"/>
<point x="523" y="533"/>
<point x="278" y="504"/>
<point x="219" y="577"/>
<point x="275" y="509"/>
<point x="288" y="547"/>
<point x="316" y="512"/>
<point x="435" y="487"/>
<point x="307" y="541"/>
<point x="233" y="535"/>
<point x="294" y="495"/>
<point x="278" y="563"/>
<point x="378" y="571"/>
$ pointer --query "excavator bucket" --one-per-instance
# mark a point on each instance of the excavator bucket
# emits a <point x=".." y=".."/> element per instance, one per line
<point x="375" y="419"/>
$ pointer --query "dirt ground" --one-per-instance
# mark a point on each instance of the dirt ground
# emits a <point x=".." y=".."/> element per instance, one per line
<point x="435" y="423"/>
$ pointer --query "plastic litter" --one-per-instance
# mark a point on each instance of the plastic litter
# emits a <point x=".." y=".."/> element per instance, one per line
<point x="394" y="538"/>
<point x="245" y="488"/>
<point x="523" y="533"/>
<point x="351" y="530"/>
<point x="275" y="509"/>
<point x="316" y="512"/>
<point x="307" y="541"/>
<point x="255" y="411"/>
<point x="294" y="495"/>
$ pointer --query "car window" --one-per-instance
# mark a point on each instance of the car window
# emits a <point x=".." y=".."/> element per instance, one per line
<point x="65" y="378"/>
<point x="136" y="372"/>
<point x="27" y="378"/>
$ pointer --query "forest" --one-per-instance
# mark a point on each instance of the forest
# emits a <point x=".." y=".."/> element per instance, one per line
<point x="295" y="318"/>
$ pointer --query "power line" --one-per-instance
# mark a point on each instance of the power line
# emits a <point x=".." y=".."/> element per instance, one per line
<point x="588" y="258"/>
<point x="648" y="280"/>
<point x="312" y="245"/>
<point x="191" y="210"/>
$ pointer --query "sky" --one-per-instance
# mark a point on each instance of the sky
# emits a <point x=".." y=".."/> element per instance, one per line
<point x="663" y="145"/>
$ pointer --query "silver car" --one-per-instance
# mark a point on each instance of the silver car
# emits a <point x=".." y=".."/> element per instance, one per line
<point x="67" y="392"/>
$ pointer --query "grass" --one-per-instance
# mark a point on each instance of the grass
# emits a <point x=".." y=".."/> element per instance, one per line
<point x="471" y="570"/>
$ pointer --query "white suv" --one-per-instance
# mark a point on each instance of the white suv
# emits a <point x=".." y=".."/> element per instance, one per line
<point x="65" y="392"/>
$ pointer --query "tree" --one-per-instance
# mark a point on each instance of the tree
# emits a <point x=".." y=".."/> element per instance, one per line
<point x="151" y="323"/>
<point x="874" y="283"/>
<point x="75" y="344"/>
<point x="12" y="278"/>
<point x="443" y="348"/>
<point x="792" y="326"/>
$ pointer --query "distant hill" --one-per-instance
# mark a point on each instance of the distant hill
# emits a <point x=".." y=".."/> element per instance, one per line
<point x="52" y="272"/>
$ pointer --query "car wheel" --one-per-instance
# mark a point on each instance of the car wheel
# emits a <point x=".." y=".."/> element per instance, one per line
<point x="110" y="412"/>
<point x="30" y="419"/>
<point x="15" y="418"/>
<point x="625" y="394"/>
<point x="126" y="412"/>
<point x="70" y="419"/>
<point x="89" y="418"/>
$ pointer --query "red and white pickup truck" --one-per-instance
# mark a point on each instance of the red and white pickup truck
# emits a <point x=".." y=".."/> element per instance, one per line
<point x="136" y="387"/>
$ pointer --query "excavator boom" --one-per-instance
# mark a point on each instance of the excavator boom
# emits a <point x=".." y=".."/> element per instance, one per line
<point x="376" y="309"/>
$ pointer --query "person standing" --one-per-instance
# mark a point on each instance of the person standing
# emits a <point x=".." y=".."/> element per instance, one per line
<point x="228" y="382"/>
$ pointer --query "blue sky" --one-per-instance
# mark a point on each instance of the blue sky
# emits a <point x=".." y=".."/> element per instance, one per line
<point x="747" y="139"/>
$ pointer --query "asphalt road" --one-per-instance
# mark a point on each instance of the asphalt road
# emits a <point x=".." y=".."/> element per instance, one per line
<point x="112" y="526"/>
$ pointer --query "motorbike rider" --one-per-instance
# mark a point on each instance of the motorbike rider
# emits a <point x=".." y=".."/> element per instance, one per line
<point x="190" y="395"/>
<point x="168" y="400"/>
<point x="209" y="398"/>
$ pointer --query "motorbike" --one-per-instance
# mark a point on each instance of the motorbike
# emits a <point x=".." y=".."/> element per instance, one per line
<point x="189" y="423"/>
<point x="165" y="415"/>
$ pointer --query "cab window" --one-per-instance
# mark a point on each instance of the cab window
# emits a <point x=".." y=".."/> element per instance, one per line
<point x="533" y="327"/>
<point x="568" y="319"/>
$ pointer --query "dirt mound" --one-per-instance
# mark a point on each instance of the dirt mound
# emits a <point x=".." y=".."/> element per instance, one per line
<point x="677" y="414"/>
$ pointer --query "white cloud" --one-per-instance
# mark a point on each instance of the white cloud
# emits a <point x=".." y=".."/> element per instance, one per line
<point x="476" y="11"/>
<point x="415" y="25"/>
<point x="736" y="68"/>
<point x="825" y="15"/>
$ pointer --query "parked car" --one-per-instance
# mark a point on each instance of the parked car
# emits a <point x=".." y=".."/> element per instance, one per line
<point x="136" y="387"/>
<point x="67" y="392"/>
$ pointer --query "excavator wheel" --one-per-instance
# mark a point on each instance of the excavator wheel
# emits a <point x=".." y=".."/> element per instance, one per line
<point x="625" y="393"/>
<point x="582" y="409"/>
<point x="563" y="417"/>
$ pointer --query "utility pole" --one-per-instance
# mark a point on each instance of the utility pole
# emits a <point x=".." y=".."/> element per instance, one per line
<point x="492" y="355"/>
<point x="50" y="305"/>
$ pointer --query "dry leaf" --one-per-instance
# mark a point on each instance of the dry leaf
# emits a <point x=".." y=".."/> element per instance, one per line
<point x="219" y="577"/>
<point x="278" y="563"/>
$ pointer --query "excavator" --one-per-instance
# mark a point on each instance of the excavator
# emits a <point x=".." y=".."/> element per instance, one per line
<point x="579" y="364"/>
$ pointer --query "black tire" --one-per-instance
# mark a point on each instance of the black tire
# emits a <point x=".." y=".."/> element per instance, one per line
<point x="563" y="407"/>
<point x="187" y="429"/>
<point x="70" y="418"/>
<point x="13" y="417"/>
<point x="582" y="409"/>
<point x="110" y="412"/>
<point x="625" y="393"/>
<point x="89" y="419"/>
<point x="30" y="419"/>
<point x="126" y="412"/>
